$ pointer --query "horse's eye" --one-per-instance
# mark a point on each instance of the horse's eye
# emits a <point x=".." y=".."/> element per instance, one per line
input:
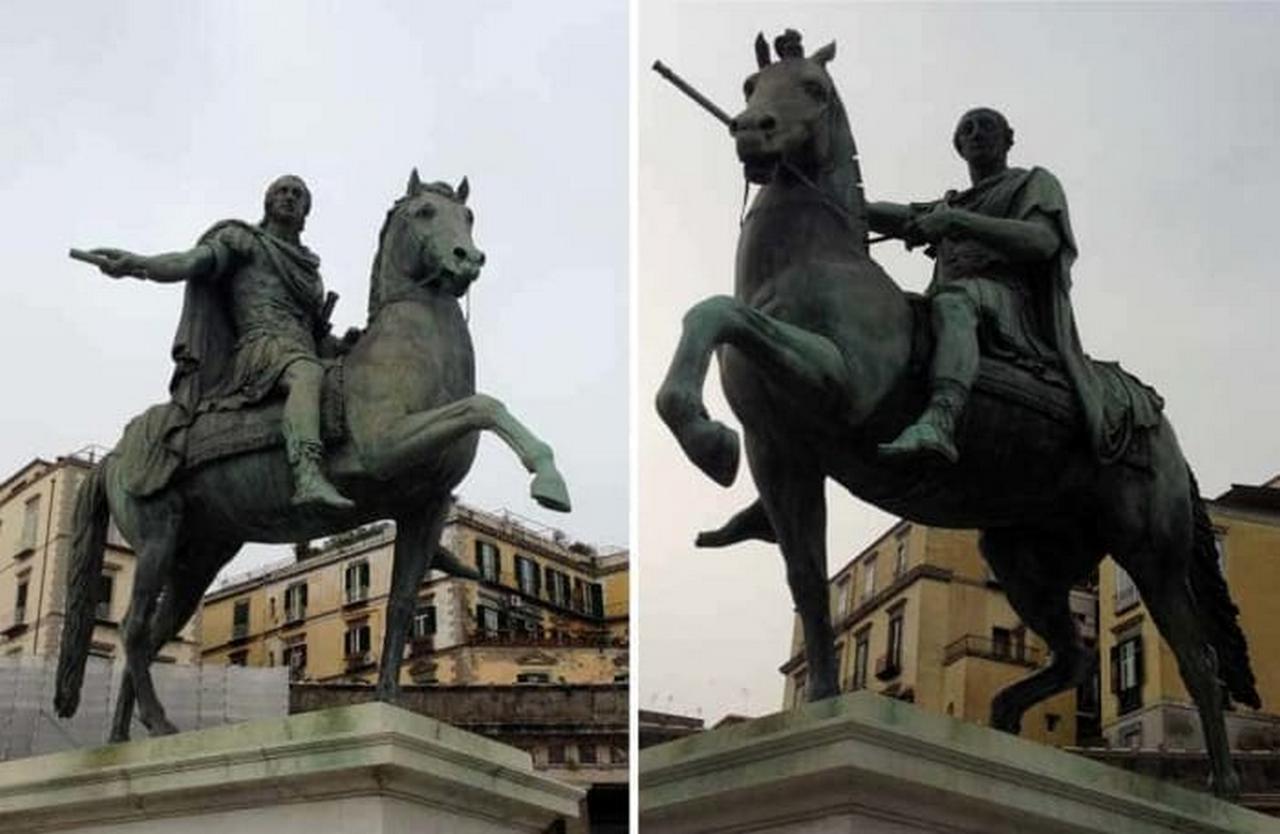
<point x="471" y="218"/>
<point x="816" y="89"/>
<point x="748" y="87"/>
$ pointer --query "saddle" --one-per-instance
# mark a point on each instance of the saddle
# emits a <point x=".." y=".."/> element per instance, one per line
<point x="160" y="443"/>
<point x="1041" y="384"/>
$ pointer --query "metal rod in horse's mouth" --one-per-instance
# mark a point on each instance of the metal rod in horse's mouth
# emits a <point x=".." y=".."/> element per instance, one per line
<point x="686" y="88"/>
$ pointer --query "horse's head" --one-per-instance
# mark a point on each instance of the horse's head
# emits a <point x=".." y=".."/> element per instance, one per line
<point x="426" y="244"/>
<point x="793" y="112"/>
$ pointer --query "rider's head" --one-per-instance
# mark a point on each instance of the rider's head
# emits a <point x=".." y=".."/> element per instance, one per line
<point x="288" y="201"/>
<point x="982" y="134"/>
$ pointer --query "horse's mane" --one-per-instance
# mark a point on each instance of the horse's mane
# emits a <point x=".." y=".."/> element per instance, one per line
<point x="375" y="282"/>
<point x="844" y="152"/>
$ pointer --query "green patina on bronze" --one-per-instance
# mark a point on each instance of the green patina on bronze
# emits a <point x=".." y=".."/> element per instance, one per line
<point x="235" y="455"/>
<point x="972" y="407"/>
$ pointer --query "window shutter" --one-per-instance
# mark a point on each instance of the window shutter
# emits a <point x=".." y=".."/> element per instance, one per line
<point x="1115" y="670"/>
<point x="597" y="599"/>
<point x="1139" y="672"/>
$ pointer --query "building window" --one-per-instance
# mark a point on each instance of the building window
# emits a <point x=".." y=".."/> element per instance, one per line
<point x="595" y="599"/>
<point x="295" y="657"/>
<point x="30" y="523"/>
<point x="528" y="576"/>
<point x="533" y="677"/>
<point x="1002" y="643"/>
<point x="557" y="588"/>
<point x="424" y="622"/>
<point x="20" y="604"/>
<point x="900" y="556"/>
<point x="555" y="754"/>
<point x="869" y="579"/>
<point x="1126" y="591"/>
<point x="356" y="642"/>
<point x="842" y="597"/>
<point x="295" y="602"/>
<point x="487" y="561"/>
<point x="106" y="590"/>
<point x="895" y="638"/>
<point x="240" y="658"/>
<point x="240" y="620"/>
<point x="587" y="754"/>
<point x="579" y="595"/>
<point x="489" y="618"/>
<point x="861" y="651"/>
<point x="356" y="582"/>
<point x="1131" y="736"/>
<point x="1127" y="673"/>
<point x="617" y="754"/>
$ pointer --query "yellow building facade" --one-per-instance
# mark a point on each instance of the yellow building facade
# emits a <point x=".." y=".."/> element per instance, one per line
<point x="1145" y="704"/>
<point x="36" y="508"/>
<point x="544" y="610"/>
<point x="918" y="617"/>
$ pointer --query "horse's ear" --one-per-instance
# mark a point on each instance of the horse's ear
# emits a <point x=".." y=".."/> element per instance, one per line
<point x="463" y="189"/>
<point x="415" y="184"/>
<point x="825" y="54"/>
<point x="762" y="51"/>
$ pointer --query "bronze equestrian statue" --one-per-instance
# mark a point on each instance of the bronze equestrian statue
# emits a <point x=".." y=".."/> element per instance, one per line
<point x="832" y="371"/>
<point x="193" y="479"/>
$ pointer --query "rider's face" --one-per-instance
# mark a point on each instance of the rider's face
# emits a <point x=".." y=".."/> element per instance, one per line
<point x="981" y="137"/>
<point x="288" y="201"/>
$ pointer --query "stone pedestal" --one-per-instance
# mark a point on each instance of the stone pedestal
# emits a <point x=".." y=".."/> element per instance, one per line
<point x="864" y="764"/>
<point x="364" y="769"/>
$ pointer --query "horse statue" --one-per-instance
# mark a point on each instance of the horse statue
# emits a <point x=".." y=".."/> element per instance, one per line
<point x="823" y="358"/>
<point x="411" y="425"/>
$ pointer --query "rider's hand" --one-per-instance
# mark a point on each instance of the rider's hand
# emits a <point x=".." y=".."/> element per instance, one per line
<point x="930" y="227"/>
<point x="118" y="263"/>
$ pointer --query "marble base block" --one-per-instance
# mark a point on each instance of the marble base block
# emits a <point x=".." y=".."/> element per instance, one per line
<point x="367" y="769"/>
<point x="865" y="764"/>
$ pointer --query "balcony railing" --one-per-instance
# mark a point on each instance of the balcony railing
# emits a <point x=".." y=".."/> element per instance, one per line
<point x="887" y="668"/>
<point x="1006" y="652"/>
<point x="521" y="637"/>
<point x="360" y="660"/>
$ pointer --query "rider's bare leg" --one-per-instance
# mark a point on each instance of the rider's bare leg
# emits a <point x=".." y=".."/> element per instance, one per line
<point x="302" y="382"/>
<point x="955" y="365"/>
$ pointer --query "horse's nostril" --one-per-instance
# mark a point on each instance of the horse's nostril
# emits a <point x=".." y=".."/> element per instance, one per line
<point x="479" y="259"/>
<point x="733" y="125"/>
<point x="768" y="123"/>
<point x="460" y="253"/>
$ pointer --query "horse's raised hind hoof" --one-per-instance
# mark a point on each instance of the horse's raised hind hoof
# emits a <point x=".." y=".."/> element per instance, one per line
<point x="549" y="490"/>
<point x="713" y="447"/>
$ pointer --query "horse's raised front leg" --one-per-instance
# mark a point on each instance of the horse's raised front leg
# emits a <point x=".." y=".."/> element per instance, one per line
<point x="805" y="363"/>
<point x="792" y="494"/>
<point x="417" y="539"/>
<point x="407" y="441"/>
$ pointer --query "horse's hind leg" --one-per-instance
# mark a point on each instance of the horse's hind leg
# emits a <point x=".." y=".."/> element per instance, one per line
<point x="160" y="527"/>
<point x="1164" y="589"/>
<point x="182" y="594"/>
<point x="417" y="537"/>
<point x="1037" y="570"/>
<point x="792" y="494"/>
<point x="807" y="364"/>
<point x="409" y="440"/>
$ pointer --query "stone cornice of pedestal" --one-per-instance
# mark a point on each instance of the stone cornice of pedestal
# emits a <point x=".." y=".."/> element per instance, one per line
<point x="369" y="749"/>
<point x="890" y="760"/>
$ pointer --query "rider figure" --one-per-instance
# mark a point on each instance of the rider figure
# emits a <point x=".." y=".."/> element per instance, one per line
<point x="1002" y="250"/>
<point x="261" y="286"/>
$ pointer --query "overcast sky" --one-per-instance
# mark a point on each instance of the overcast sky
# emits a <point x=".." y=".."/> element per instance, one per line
<point x="1161" y="124"/>
<point x="139" y="124"/>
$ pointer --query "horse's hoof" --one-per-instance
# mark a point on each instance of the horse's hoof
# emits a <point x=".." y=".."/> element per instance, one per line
<point x="549" y="490"/>
<point x="1228" y="787"/>
<point x="117" y="738"/>
<point x="162" y="727"/>
<point x="713" y="448"/>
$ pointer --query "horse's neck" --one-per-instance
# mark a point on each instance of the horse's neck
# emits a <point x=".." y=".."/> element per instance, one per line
<point x="791" y="222"/>
<point x="420" y="346"/>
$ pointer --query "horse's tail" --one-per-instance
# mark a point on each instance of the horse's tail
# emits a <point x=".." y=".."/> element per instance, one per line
<point x="1218" y="612"/>
<point x="88" y="543"/>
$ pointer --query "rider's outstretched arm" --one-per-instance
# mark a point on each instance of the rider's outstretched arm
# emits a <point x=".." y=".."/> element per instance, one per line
<point x="167" y="268"/>
<point x="888" y="218"/>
